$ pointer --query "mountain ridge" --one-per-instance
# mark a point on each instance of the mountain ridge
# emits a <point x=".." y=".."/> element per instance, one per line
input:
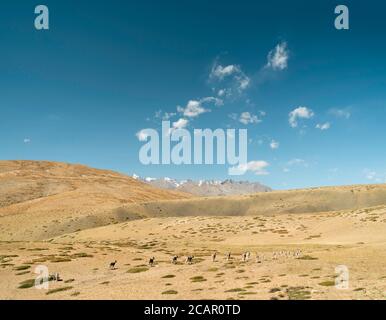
<point x="207" y="188"/>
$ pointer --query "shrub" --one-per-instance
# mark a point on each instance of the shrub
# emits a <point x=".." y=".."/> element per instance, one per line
<point x="58" y="290"/>
<point x="198" y="279"/>
<point x="170" y="292"/>
<point x="137" y="269"/>
<point x="27" y="284"/>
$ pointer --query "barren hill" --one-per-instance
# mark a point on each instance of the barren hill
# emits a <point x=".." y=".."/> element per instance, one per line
<point x="290" y="201"/>
<point x="42" y="200"/>
<point x="41" y="194"/>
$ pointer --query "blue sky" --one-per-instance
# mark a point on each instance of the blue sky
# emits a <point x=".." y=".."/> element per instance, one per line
<point x="105" y="70"/>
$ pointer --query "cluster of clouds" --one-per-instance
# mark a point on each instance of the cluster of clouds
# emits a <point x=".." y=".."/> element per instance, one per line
<point x="340" y="113"/>
<point x="278" y="57"/>
<point x="296" y="162"/>
<point x="229" y="82"/>
<point x="258" y="168"/>
<point x="323" y="126"/>
<point x="373" y="176"/>
<point x="195" y="108"/>
<point x="305" y="113"/>
<point x="230" y="79"/>
<point x="247" y="118"/>
<point x="299" y="113"/>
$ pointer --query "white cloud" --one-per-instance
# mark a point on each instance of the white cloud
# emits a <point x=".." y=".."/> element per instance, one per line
<point x="274" y="145"/>
<point x="27" y="140"/>
<point x="221" y="92"/>
<point x="256" y="167"/>
<point x="180" y="123"/>
<point x="236" y="79"/>
<point x="248" y="118"/>
<point x="299" y="113"/>
<point x="141" y="135"/>
<point x="340" y="113"/>
<point x="278" y="57"/>
<point x="374" y="176"/>
<point x="220" y="72"/>
<point x="164" y="115"/>
<point x="297" y="162"/>
<point x="370" y="175"/>
<point x="194" y="108"/>
<point x="243" y="82"/>
<point x="323" y="126"/>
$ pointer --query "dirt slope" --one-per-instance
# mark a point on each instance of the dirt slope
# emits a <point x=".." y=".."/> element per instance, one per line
<point x="42" y="200"/>
<point x="38" y="195"/>
<point x="293" y="201"/>
<point x="354" y="239"/>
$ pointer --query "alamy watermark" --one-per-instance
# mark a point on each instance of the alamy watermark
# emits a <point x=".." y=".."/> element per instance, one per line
<point x="342" y="21"/>
<point x="342" y="280"/>
<point x="43" y="278"/>
<point x="178" y="147"/>
<point x="42" y="20"/>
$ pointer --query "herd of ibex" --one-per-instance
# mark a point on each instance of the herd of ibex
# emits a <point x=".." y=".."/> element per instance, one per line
<point x="244" y="257"/>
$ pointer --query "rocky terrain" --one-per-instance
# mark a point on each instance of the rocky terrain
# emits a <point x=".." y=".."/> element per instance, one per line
<point x="208" y="188"/>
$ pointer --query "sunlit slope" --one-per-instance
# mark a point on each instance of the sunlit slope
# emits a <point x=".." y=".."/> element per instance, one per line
<point x="38" y="197"/>
<point x="294" y="201"/>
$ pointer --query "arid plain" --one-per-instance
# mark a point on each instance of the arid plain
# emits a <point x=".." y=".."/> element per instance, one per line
<point x="76" y="220"/>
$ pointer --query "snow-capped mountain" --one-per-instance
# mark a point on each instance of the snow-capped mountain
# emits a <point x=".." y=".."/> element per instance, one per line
<point x="207" y="187"/>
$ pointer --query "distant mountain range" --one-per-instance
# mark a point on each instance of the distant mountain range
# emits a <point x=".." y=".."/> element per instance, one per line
<point x="209" y="188"/>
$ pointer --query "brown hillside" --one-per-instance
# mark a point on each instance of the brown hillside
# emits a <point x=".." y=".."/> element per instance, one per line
<point x="48" y="193"/>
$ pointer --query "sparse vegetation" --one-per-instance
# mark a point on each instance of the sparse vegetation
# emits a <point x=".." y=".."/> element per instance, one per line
<point x="307" y="257"/>
<point x="327" y="283"/>
<point x="298" y="293"/>
<point x="170" y="292"/>
<point x="21" y="268"/>
<point x="27" y="284"/>
<point x="138" y="269"/>
<point x="69" y="281"/>
<point x="198" y="279"/>
<point x="281" y="265"/>
<point x="56" y="290"/>
<point x="236" y="290"/>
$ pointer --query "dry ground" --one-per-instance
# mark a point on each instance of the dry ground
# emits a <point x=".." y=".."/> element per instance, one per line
<point x="355" y="238"/>
<point x="76" y="220"/>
